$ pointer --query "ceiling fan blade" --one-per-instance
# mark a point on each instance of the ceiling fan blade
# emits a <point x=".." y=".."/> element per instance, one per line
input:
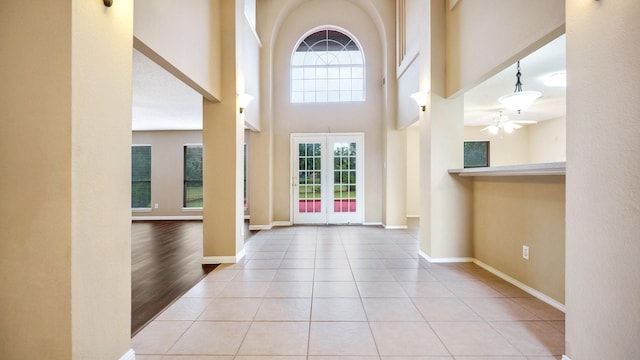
<point x="515" y="126"/>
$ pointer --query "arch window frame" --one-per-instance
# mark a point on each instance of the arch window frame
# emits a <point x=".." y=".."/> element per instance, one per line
<point x="327" y="66"/>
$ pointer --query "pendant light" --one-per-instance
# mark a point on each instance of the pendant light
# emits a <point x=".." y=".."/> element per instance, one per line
<point x="519" y="100"/>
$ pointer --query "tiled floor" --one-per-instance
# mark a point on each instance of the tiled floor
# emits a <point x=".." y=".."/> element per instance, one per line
<point x="353" y="293"/>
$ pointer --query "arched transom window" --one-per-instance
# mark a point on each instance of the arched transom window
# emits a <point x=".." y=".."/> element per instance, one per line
<point x="327" y="66"/>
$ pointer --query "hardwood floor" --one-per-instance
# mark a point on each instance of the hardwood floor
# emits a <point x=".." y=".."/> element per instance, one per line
<point x="165" y="263"/>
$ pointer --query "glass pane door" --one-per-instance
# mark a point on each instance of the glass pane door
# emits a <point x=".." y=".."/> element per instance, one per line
<point x="345" y="179"/>
<point x="331" y="193"/>
<point x="308" y="180"/>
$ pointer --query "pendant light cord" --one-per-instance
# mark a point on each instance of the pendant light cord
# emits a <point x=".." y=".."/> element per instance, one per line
<point x="518" y="83"/>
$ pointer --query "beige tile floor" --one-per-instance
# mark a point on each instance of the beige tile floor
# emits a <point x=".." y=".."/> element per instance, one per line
<point x="354" y="293"/>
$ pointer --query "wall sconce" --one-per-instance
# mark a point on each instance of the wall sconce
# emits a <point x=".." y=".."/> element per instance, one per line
<point x="243" y="101"/>
<point x="421" y="99"/>
<point x="107" y="3"/>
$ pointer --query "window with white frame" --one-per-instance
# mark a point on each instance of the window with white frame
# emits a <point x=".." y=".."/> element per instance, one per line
<point x="327" y="66"/>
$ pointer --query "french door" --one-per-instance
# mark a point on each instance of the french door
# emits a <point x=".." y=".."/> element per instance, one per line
<point x="327" y="178"/>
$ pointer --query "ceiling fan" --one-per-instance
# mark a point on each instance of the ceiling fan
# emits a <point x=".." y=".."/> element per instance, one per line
<point x="503" y="122"/>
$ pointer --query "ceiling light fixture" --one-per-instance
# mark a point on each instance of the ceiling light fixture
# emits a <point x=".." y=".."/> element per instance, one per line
<point x="519" y="100"/>
<point x="503" y="122"/>
<point x="558" y="79"/>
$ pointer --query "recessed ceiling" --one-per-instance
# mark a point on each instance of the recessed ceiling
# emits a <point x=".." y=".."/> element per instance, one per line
<point x="160" y="100"/>
<point x="481" y="103"/>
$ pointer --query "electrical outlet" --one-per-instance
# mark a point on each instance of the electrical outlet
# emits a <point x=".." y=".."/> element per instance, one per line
<point x="156" y="206"/>
<point x="525" y="252"/>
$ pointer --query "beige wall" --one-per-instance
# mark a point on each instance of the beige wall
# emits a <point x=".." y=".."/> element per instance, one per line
<point x="445" y="218"/>
<point x="548" y="141"/>
<point x="66" y="236"/>
<point x="364" y="117"/>
<point x="223" y="142"/>
<point x="477" y="47"/>
<point x="167" y="174"/>
<point x="185" y="40"/>
<point x="509" y="212"/>
<point x="450" y="196"/>
<point x="483" y="37"/>
<point x="101" y="178"/>
<point x="505" y="149"/>
<point x="538" y="143"/>
<point x="413" y="171"/>
<point x="280" y="25"/>
<point x="35" y="294"/>
<point x="603" y="191"/>
<point x="249" y="71"/>
<point x="515" y="211"/>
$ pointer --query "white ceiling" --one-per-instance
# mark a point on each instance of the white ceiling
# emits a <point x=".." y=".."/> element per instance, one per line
<point x="481" y="103"/>
<point x="162" y="102"/>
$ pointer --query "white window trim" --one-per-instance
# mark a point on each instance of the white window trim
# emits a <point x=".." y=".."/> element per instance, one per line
<point x="363" y="65"/>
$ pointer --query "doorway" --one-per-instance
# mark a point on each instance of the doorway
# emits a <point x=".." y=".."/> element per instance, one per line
<point x="327" y="178"/>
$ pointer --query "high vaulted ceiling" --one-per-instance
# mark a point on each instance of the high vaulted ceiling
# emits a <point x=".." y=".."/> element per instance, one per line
<point x="162" y="102"/>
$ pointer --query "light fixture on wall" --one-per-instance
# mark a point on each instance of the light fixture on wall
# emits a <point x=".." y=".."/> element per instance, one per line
<point x="108" y="3"/>
<point x="420" y="98"/>
<point x="519" y="100"/>
<point x="243" y="101"/>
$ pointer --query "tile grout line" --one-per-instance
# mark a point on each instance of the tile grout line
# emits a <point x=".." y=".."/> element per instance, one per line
<point x="313" y="287"/>
<point x="361" y="301"/>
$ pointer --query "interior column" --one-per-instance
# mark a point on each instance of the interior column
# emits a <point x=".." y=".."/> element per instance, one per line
<point x="223" y="160"/>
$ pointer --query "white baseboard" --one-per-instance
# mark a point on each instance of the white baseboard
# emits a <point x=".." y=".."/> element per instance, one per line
<point x="129" y="355"/>
<point x="504" y="277"/>
<point x="445" y="260"/>
<point x="413" y="216"/>
<point x="217" y="260"/>
<point x="282" y="223"/>
<point x="147" y="218"/>
<point x="260" y="227"/>
<point x="394" y="227"/>
<point x="522" y="286"/>
<point x="240" y="255"/>
<point x="372" y="224"/>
